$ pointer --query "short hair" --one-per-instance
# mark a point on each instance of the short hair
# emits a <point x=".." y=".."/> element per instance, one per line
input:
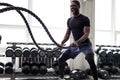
<point x="76" y="2"/>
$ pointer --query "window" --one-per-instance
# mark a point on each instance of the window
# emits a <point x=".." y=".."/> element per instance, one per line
<point x="103" y="14"/>
<point x="117" y="15"/>
<point x="12" y="17"/>
<point x="53" y="13"/>
<point x="107" y="23"/>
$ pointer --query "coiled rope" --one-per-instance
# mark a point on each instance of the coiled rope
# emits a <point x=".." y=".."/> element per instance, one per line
<point x="19" y="9"/>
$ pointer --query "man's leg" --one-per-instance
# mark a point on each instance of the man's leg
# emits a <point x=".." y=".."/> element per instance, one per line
<point x="90" y="59"/>
<point x="61" y="63"/>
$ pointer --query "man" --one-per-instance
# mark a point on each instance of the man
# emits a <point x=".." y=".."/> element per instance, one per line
<point x="79" y="25"/>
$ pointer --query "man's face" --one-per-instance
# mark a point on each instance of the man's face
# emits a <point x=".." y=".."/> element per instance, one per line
<point x="74" y="8"/>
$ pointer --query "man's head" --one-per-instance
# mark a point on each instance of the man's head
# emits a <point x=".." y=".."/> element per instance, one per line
<point x="75" y="5"/>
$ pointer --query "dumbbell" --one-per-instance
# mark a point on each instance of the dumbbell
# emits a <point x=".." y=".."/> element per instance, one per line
<point x="25" y="67"/>
<point x="97" y="50"/>
<point x="18" y="51"/>
<point x="103" y="74"/>
<point x="26" y="52"/>
<point x="78" y="74"/>
<point x="102" y="52"/>
<point x="42" y="68"/>
<point x="1" y="68"/>
<point x="9" y="52"/>
<point x="57" y="53"/>
<point x="114" y="70"/>
<point x="42" y="53"/>
<point x="34" y="68"/>
<point x="34" y="52"/>
<point x="9" y="68"/>
<point x="56" y="67"/>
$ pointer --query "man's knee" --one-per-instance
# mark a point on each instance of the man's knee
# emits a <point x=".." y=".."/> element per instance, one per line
<point x="63" y="58"/>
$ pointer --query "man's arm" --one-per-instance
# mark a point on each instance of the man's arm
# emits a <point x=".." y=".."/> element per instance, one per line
<point x="85" y="36"/>
<point x="66" y="37"/>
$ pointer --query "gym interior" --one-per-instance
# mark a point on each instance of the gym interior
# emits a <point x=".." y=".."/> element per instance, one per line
<point x="31" y="31"/>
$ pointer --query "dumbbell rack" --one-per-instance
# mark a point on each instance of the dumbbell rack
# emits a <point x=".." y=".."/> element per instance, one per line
<point x="108" y="59"/>
<point x="17" y="73"/>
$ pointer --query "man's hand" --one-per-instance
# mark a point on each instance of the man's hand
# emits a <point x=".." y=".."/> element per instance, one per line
<point x="74" y="44"/>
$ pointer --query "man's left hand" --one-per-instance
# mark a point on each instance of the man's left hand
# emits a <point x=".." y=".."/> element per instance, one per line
<point x="74" y="44"/>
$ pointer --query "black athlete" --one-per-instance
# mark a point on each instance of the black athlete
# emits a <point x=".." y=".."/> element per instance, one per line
<point x="79" y="25"/>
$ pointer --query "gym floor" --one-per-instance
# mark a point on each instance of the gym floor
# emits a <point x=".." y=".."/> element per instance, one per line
<point x="38" y="77"/>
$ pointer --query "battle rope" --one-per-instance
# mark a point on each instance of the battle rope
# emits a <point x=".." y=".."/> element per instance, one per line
<point x="35" y="16"/>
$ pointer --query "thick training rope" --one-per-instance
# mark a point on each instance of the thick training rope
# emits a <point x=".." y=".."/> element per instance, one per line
<point x="18" y="9"/>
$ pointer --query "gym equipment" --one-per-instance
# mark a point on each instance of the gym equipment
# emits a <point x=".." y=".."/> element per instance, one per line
<point x="26" y="52"/>
<point x="9" y="68"/>
<point x="50" y="57"/>
<point x="34" y="69"/>
<point x="1" y="68"/>
<point x="18" y="52"/>
<point x="78" y="74"/>
<point x="42" y="68"/>
<point x="34" y="52"/>
<point x="56" y="67"/>
<point x="25" y="67"/>
<point x="103" y="74"/>
<point x="57" y="53"/>
<point x="109" y="57"/>
<point x="42" y="53"/>
<point x="9" y="51"/>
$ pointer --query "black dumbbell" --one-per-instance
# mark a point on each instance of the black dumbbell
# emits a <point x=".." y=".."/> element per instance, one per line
<point x="18" y="51"/>
<point x="1" y="68"/>
<point x="34" y="68"/>
<point x="9" y="68"/>
<point x="75" y="74"/>
<point x="103" y="74"/>
<point x="78" y="74"/>
<point x="57" y="53"/>
<point x="34" y="52"/>
<point x="25" y="67"/>
<point x="9" y="52"/>
<point x="42" y="53"/>
<point x="102" y="52"/>
<point x="56" y="67"/>
<point x="42" y="68"/>
<point x="26" y="52"/>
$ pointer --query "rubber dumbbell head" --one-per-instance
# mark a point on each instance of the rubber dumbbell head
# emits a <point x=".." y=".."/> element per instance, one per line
<point x="34" y="52"/>
<point x="34" y="68"/>
<point x="25" y="67"/>
<point x="26" y="52"/>
<point x="9" y="68"/>
<point x="42" y="68"/>
<point x="1" y="68"/>
<point x="9" y="52"/>
<point x="18" y="51"/>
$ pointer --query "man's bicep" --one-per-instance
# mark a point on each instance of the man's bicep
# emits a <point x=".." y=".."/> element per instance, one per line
<point x="87" y="29"/>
